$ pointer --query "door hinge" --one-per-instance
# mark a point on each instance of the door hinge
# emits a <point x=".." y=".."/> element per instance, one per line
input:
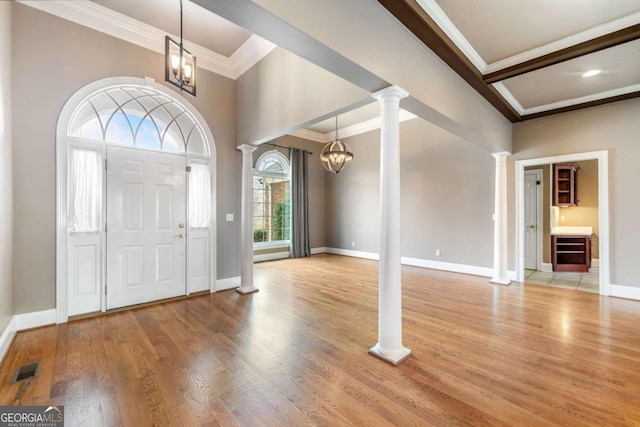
<point x="188" y="168"/>
<point x="105" y="164"/>
<point x="105" y="289"/>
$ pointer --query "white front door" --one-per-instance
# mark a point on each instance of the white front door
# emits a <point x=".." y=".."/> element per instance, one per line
<point x="146" y="213"/>
<point x="531" y="220"/>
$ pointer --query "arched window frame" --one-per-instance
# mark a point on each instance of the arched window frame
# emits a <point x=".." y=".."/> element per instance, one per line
<point x="260" y="171"/>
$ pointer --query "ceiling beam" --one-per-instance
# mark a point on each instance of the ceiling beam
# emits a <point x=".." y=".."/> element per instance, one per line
<point x="590" y="46"/>
<point x="580" y="106"/>
<point x="414" y="18"/>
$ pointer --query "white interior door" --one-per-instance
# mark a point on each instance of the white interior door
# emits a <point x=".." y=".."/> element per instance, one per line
<point x="146" y="213"/>
<point x="531" y="220"/>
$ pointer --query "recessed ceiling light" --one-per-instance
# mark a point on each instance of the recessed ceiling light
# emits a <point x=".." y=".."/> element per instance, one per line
<point x="591" y="73"/>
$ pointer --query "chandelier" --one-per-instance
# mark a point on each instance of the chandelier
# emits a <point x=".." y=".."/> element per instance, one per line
<point x="336" y="156"/>
<point x="179" y="63"/>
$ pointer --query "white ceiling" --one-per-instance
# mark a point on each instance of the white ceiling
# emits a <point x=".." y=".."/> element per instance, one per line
<point x="498" y="34"/>
<point x="620" y="67"/>
<point x="199" y="25"/>
<point x="498" y="29"/>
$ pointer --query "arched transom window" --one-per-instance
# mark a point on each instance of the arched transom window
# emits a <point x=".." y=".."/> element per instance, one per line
<point x="271" y="199"/>
<point x="138" y="116"/>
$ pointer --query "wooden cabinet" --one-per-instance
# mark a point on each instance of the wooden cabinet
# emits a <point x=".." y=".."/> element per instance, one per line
<point x="565" y="184"/>
<point x="571" y="253"/>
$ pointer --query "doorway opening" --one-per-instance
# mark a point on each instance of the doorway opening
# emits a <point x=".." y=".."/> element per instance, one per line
<point x="599" y="273"/>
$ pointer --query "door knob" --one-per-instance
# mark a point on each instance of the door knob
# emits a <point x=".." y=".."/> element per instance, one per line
<point x="532" y="226"/>
<point x="181" y="236"/>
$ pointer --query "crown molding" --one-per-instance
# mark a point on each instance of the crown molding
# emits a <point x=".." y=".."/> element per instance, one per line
<point x="443" y="21"/>
<point x="105" y="20"/>
<point x="310" y="135"/>
<point x="565" y="104"/>
<point x="567" y="42"/>
<point x="508" y="96"/>
<point x="583" y="99"/>
<point x="348" y="131"/>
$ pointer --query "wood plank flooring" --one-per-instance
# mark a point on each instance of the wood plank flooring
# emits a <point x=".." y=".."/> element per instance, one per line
<point x="295" y="354"/>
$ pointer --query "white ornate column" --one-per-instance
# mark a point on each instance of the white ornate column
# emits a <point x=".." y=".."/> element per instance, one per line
<point x="500" y="221"/>
<point x="246" y="221"/>
<point x="389" y="347"/>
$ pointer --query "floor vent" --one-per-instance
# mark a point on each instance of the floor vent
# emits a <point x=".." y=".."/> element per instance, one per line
<point x="26" y="372"/>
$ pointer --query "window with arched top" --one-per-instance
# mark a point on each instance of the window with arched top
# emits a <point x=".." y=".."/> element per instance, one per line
<point x="139" y="116"/>
<point x="271" y="199"/>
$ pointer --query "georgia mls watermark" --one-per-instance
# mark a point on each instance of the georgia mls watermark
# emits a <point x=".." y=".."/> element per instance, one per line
<point x="31" y="416"/>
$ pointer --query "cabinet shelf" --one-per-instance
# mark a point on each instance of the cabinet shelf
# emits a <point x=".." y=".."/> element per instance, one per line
<point x="571" y="253"/>
<point x="565" y="184"/>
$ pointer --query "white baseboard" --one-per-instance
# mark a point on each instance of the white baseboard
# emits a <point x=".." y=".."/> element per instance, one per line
<point x="6" y="337"/>
<point x="628" y="292"/>
<point x="271" y="257"/>
<point x="547" y="267"/>
<point x="448" y="266"/>
<point x="315" y="251"/>
<point x="229" y="283"/>
<point x="356" y="254"/>
<point x="35" y="319"/>
<point x="425" y="263"/>
<point x="20" y="322"/>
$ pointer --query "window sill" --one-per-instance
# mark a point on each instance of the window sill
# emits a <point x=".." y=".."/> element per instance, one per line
<point x="271" y="245"/>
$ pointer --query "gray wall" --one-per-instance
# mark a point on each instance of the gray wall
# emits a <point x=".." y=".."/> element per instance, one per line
<point x="53" y="58"/>
<point x="316" y="183"/>
<point x="283" y="91"/>
<point x="6" y="190"/>
<point x="447" y="188"/>
<point x="613" y="127"/>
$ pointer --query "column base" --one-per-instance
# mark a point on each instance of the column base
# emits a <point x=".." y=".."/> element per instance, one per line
<point x="498" y="281"/>
<point x="395" y="358"/>
<point x="245" y="291"/>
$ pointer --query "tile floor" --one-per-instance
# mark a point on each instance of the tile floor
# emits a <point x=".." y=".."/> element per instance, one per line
<point x="587" y="282"/>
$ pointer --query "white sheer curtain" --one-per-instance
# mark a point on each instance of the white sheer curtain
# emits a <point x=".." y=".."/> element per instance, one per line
<point x="85" y="191"/>
<point x="199" y="196"/>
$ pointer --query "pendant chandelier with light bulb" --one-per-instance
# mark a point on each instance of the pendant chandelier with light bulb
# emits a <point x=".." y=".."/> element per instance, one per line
<point x="180" y="64"/>
<point x="336" y="156"/>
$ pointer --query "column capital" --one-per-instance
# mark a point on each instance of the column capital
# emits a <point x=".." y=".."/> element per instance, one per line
<point x="247" y="148"/>
<point x="501" y="155"/>
<point x="392" y="91"/>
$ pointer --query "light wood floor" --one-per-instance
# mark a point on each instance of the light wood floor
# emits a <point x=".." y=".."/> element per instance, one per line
<point x="295" y="353"/>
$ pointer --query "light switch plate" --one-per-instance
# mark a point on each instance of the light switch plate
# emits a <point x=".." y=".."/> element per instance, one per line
<point x="229" y="217"/>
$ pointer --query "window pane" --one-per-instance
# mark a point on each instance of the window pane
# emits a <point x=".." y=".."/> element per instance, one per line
<point x="199" y="196"/>
<point x="141" y="117"/>
<point x="85" y="191"/>
<point x="118" y="130"/>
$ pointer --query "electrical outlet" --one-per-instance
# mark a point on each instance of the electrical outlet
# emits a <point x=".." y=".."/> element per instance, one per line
<point x="562" y="218"/>
<point x="493" y="217"/>
<point x="353" y="244"/>
<point x="437" y="252"/>
<point x="229" y="217"/>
